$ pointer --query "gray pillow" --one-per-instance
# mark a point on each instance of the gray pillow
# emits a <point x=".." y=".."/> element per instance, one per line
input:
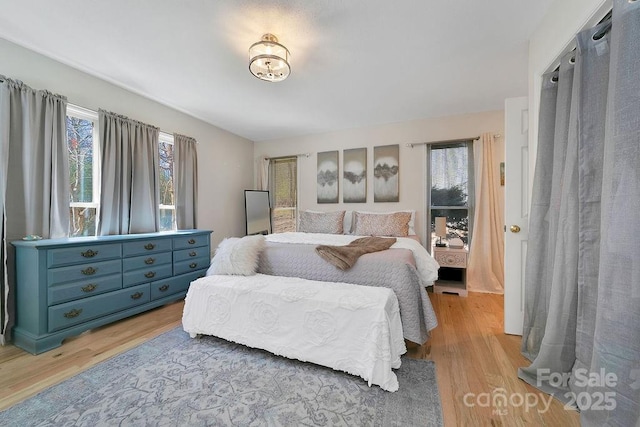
<point x="321" y="222"/>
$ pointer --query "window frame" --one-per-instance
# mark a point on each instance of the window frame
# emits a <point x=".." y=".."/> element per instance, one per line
<point x="92" y="116"/>
<point x="470" y="206"/>
<point x="272" y="191"/>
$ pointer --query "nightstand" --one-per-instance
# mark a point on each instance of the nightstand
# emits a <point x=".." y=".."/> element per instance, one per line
<point x="452" y="275"/>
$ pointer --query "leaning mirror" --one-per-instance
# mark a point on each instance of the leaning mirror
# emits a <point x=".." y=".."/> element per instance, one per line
<point x="257" y="212"/>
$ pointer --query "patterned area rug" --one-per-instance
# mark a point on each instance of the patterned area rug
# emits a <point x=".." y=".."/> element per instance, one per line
<point x="174" y="380"/>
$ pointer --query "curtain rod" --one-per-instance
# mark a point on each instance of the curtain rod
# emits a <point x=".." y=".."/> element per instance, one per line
<point x="413" y="144"/>
<point x="607" y="15"/>
<point x="285" y="157"/>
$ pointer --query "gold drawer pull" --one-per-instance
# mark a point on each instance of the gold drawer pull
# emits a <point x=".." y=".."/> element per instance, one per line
<point x="89" y="254"/>
<point x="73" y="313"/>
<point x="193" y="265"/>
<point x="192" y="241"/>
<point x="89" y="271"/>
<point x="193" y="253"/>
<point x="149" y="261"/>
<point x="137" y="295"/>
<point x="89" y="288"/>
<point x="149" y="246"/>
<point x="163" y="288"/>
<point x="150" y="274"/>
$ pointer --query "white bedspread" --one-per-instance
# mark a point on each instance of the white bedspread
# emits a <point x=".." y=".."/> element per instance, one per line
<point x="346" y="327"/>
<point x="426" y="265"/>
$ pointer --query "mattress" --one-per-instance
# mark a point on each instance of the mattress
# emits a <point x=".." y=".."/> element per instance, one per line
<point x="293" y="255"/>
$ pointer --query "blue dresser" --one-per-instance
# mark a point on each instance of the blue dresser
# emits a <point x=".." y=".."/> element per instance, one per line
<point x="67" y="286"/>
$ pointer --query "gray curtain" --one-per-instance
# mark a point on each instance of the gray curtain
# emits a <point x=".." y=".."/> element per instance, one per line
<point x="536" y="270"/>
<point x="582" y="302"/>
<point x="549" y="333"/>
<point x="34" y="176"/>
<point x="185" y="168"/>
<point x="129" y="193"/>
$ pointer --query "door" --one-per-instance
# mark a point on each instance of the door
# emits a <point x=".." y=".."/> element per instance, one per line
<point x="516" y="215"/>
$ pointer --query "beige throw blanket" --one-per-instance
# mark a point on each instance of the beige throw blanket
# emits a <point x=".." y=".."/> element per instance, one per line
<point x="344" y="257"/>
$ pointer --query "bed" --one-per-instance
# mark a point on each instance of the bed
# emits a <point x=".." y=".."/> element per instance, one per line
<point x="281" y="279"/>
<point x="406" y="268"/>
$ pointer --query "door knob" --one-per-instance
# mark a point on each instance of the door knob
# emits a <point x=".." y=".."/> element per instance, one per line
<point x="514" y="229"/>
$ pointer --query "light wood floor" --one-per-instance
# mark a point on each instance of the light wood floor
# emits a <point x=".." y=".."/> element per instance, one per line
<point x="472" y="355"/>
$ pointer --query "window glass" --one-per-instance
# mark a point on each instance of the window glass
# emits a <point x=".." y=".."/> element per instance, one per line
<point x="284" y="191"/>
<point x="167" y="195"/>
<point x="449" y="175"/>
<point x="83" y="171"/>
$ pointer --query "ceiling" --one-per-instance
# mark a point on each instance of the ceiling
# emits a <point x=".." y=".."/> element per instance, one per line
<point x="354" y="63"/>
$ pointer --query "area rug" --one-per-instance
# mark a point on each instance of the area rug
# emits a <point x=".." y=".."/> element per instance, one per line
<point x="173" y="380"/>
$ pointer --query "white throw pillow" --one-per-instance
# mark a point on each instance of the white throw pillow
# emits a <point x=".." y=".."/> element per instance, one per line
<point x="237" y="256"/>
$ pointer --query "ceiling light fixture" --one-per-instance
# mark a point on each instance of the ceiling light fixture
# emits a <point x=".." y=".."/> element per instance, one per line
<point x="269" y="60"/>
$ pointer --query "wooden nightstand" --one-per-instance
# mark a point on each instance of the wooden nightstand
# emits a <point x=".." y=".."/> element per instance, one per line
<point x="452" y="275"/>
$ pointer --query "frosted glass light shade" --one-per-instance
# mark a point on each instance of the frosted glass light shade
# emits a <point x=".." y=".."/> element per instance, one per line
<point x="441" y="226"/>
<point x="269" y="60"/>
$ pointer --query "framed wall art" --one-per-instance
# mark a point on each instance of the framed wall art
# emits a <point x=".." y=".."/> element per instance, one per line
<point x="386" y="173"/>
<point x="327" y="177"/>
<point x="354" y="175"/>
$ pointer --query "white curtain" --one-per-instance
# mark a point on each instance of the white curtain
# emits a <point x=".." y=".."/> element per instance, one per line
<point x="129" y="196"/>
<point x="263" y="173"/>
<point x="485" y="272"/>
<point x="34" y="176"/>
<point x="185" y="168"/>
<point x="582" y="283"/>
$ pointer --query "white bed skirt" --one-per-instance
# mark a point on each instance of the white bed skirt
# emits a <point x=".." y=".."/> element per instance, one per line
<point x="351" y="328"/>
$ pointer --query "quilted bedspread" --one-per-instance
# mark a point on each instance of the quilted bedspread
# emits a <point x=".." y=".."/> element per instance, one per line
<point x="406" y="268"/>
<point x="346" y="327"/>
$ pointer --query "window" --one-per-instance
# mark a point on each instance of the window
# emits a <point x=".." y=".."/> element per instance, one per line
<point x="84" y="170"/>
<point x="167" y="195"/>
<point x="284" y="193"/>
<point x="451" y="189"/>
<point x="84" y="173"/>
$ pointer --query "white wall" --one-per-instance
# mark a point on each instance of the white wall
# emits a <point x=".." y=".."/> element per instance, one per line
<point x="412" y="160"/>
<point x="555" y="36"/>
<point x="222" y="156"/>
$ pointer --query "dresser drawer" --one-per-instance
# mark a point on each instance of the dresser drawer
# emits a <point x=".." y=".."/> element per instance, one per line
<point x="185" y="254"/>
<point x="152" y="272"/>
<point x="83" y="254"/>
<point x="83" y="271"/>
<point x="173" y="285"/>
<point x="190" y="265"/>
<point x="148" y="261"/>
<point x="72" y="313"/>
<point x="84" y="288"/>
<point x="451" y="259"/>
<point x="146" y="247"/>
<point x="190" y="241"/>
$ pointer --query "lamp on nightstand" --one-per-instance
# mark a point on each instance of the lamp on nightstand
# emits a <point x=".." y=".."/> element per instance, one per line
<point x="441" y="230"/>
